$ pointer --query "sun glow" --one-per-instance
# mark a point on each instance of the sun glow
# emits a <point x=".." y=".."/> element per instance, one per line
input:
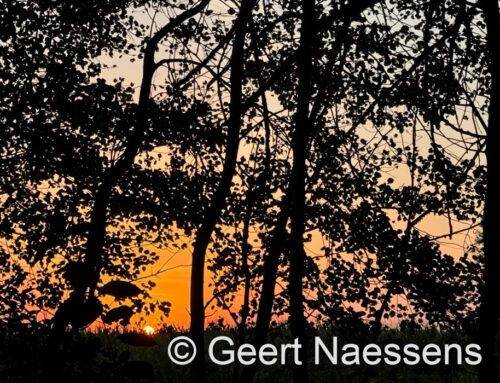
<point x="149" y="330"/>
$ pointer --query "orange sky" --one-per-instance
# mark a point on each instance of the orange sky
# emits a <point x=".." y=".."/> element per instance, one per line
<point x="173" y="283"/>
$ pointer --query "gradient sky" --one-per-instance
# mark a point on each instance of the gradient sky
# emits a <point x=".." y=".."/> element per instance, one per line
<point x="173" y="281"/>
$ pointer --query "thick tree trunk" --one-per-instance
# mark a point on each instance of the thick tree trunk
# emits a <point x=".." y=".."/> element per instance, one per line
<point x="297" y="186"/>
<point x="223" y="190"/>
<point x="94" y="258"/>
<point x="490" y="302"/>
<point x="271" y="263"/>
<point x="278" y="236"/>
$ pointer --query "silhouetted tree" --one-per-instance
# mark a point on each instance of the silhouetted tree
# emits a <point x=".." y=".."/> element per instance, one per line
<point x="490" y="306"/>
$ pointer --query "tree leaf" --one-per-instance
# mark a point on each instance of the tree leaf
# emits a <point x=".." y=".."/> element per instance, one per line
<point x="120" y="289"/>
<point x="121" y="313"/>
<point x="81" y="314"/>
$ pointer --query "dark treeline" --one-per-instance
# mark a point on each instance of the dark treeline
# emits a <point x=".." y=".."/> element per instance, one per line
<point x="303" y="149"/>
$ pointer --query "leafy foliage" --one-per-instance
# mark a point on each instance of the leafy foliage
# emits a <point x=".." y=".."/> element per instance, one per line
<point x="395" y="147"/>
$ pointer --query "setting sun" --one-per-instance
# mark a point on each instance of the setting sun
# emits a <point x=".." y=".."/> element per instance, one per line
<point x="149" y="330"/>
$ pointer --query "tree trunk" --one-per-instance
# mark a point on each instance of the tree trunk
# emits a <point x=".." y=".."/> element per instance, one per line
<point x="204" y="233"/>
<point x="297" y="187"/>
<point x="490" y="303"/>
<point x="271" y="263"/>
<point x="93" y="260"/>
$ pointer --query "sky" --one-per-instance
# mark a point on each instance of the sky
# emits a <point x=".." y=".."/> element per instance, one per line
<point x="172" y="283"/>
